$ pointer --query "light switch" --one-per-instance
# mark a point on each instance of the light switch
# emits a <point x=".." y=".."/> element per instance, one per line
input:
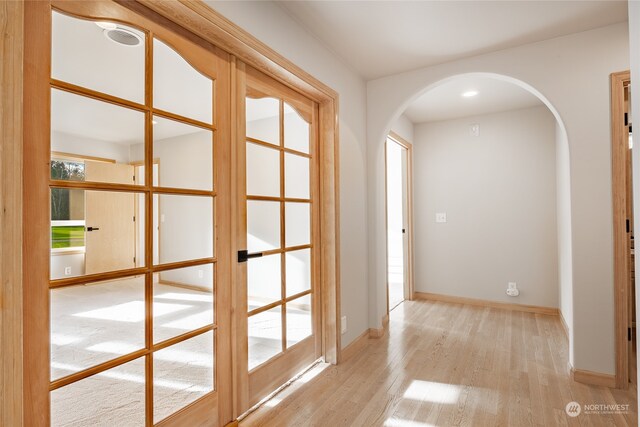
<point x="441" y="217"/>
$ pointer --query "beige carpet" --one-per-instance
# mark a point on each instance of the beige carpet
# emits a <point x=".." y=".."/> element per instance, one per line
<point x="95" y="323"/>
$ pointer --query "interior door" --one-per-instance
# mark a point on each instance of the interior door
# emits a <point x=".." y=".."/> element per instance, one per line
<point x="278" y="313"/>
<point x="110" y="220"/>
<point x="144" y="342"/>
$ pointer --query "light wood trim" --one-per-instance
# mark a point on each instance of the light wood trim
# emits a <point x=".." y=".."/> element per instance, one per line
<point x="226" y="260"/>
<point x="410" y="235"/>
<point x="380" y="332"/>
<point x="182" y="119"/>
<point x="276" y="147"/>
<point x="278" y="199"/>
<point x="98" y="186"/>
<point x="551" y="311"/>
<point x="35" y="240"/>
<point x="215" y="28"/>
<point x="202" y="412"/>
<point x="267" y="379"/>
<point x="11" y="145"/>
<point x="240" y="305"/>
<point x="85" y="373"/>
<point x="329" y="228"/>
<point x="593" y="378"/>
<point x="99" y="277"/>
<point x="356" y="346"/>
<point x="281" y="302"/>
<point x="283" y="223"/>
<point x="99" y="96"/>
<point x="377" y="333"/>
<point x="70" y="156"/>
<point x="257" y="81"/>
<point x="621" y="247"/>
<point x="149" y="221"/>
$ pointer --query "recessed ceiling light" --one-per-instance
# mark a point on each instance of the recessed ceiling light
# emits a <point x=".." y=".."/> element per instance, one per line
<point x="106" y="25"/>
<point x="470" y="93"/>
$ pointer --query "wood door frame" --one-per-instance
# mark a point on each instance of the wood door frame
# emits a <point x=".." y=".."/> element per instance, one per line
<point x="409" y="147"/>
<point x="21" y="399"/>
<point x="213" y="408"/>
<point x="253" y="385"/>
<point x="213" y="27"/>
<point x="619" y="159"/>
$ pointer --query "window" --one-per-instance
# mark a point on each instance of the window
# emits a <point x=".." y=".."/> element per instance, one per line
<point x="67" y="206"/>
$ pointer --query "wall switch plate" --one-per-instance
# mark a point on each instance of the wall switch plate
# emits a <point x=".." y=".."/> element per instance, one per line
<point x="474" y="130"/>
<point x="200" y="274"/>
<point x="67" y="271"/>
<point x="441" y="217"/>
<point x="343" y="324"/>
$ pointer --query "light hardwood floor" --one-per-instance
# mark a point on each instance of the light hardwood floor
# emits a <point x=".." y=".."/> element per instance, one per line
<point x="446" y="364"/>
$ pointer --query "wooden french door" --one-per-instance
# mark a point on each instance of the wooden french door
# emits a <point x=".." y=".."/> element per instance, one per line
<point x="136" y="342"/>
<point x="129" y="123"/>
<point x="278" y="314"/>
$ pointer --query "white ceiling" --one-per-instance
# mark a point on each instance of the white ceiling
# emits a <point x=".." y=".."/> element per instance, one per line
<point x="379" y="38"/>
<point x="82" y="55"/>
<point x="446" y="102"/>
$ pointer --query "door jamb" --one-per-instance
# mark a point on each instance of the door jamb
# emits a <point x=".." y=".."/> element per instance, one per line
<point x="619" y="159"/>
<point x="409" y="147"/>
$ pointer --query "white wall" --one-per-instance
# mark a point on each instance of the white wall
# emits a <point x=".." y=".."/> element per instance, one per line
<point x="563" y="218"/>
<point x="403" y="127"/>
<point x="185" y="161"/>
<point x="67" y="143"/>
<point x="60" y="261"/>
<point x="272" y="25"/>
<point x="499" y="193"/>
<point x="571" y="75"/>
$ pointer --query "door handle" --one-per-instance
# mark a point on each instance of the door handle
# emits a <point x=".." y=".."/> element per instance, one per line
<point x="93" y="228"/>
<point x="244" y="255"/>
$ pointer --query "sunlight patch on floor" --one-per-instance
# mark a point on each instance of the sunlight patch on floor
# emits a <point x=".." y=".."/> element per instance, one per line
<point x="133" y="311"/>
<point x="428" y="391"/>
<point x="398" y="422"/>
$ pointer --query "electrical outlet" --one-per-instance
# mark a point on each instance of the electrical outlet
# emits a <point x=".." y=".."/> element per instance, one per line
<point x="441" y="217"/>
<point x="474" y="129"/>
<point x="512" y="289"/>
<point x="67" y="271"/>
<point x="343" y="323"/>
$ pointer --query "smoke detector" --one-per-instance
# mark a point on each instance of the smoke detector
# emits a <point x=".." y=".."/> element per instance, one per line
<point x="122" y="36"/>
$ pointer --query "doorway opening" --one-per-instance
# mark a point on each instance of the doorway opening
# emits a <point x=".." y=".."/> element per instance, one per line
<point x="624" y="247"/>
<point x="399" y="229"/>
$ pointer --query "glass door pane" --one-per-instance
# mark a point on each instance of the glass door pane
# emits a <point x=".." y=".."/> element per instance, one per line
<point x="279" y="167"/>
<point x="133" y="320"/>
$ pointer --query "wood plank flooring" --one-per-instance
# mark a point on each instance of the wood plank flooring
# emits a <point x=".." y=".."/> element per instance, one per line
<point x="446" y="364"/>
